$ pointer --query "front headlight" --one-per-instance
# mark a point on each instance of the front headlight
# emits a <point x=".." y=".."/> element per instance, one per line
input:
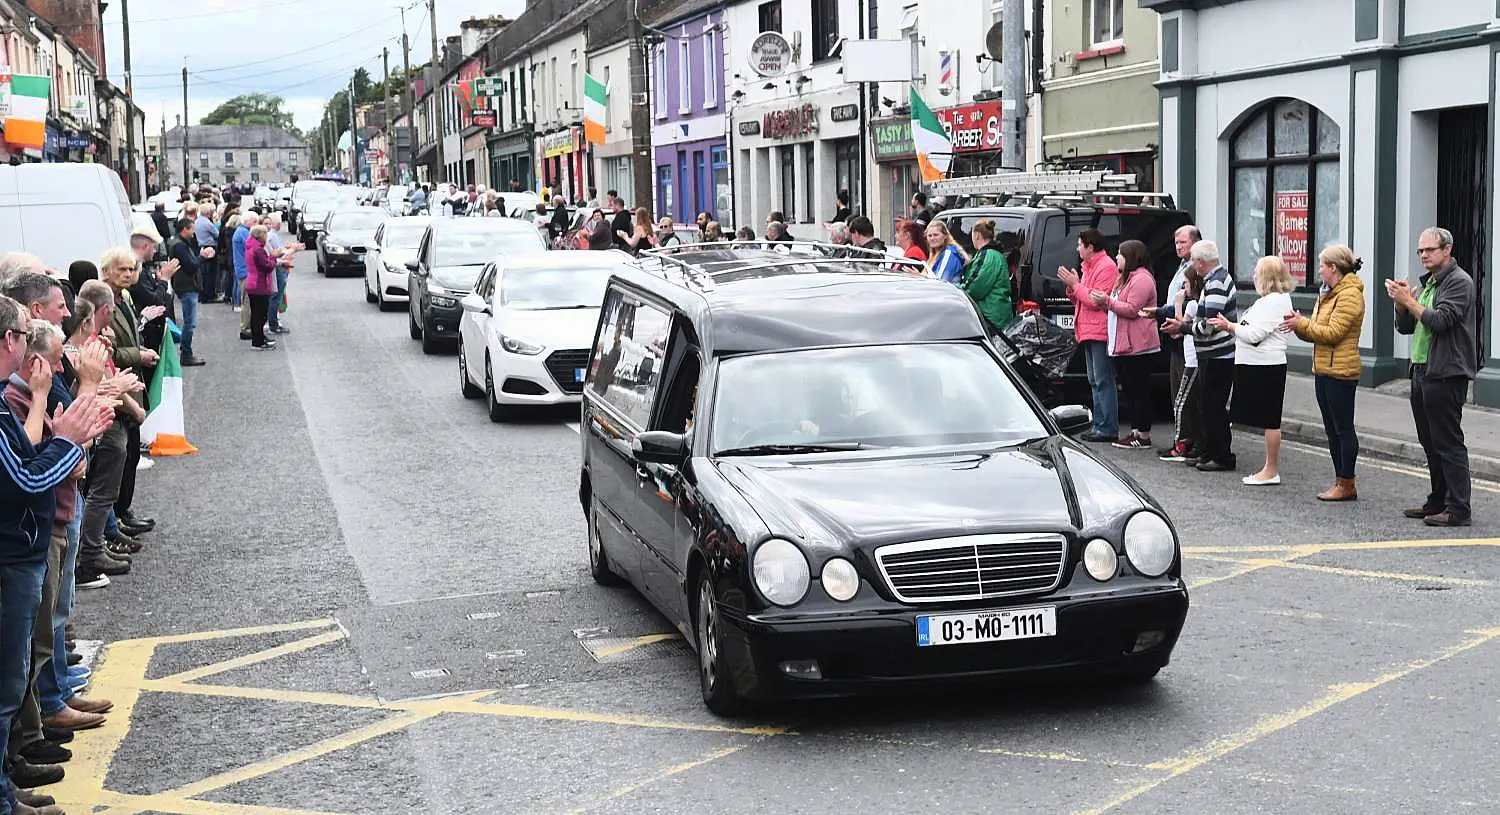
<point x="395" y="268"/>
<point x="840" y="579"/>
<point x="781" y="571"/>
<point x="519" y="346"/>
<point x="1150" y="544"/>
<point x="444" y="302"/>
<point x="1100" y="560"/>
<point x="434" y="287"/>
<point x="336" y="249"/>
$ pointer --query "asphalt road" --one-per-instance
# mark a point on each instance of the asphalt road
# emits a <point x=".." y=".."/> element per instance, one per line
<point x="365" y="597"/>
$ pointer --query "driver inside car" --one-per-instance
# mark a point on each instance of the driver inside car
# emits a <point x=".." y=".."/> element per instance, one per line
<point x="828" y="411"/>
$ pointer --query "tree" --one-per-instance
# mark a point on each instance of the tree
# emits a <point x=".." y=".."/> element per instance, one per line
<point x="252" y="109"/>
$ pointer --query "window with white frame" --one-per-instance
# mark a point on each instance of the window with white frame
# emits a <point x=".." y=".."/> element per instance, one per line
<point x="684" y="75"/>
<point x="710" y="59"/>
<point x="574" y="89"/>
<point x="997" y="68"/>
<point x="911" y="35"/>
<point x="661" y="82"/>
<point x="608" y="108"/>
<point x="1108" y="21"/>
<point x="202" y="159"/>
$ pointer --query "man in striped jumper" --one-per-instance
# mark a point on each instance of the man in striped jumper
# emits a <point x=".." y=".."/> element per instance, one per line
<point x="1215" y="351"/>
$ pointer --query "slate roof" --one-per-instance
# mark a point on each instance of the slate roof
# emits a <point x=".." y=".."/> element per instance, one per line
<point x="234" y="137"/>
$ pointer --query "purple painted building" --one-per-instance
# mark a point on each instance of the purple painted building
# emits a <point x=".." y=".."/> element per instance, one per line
<point x="691" y="167"/>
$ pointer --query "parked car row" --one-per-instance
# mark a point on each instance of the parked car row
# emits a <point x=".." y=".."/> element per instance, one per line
<point x="819" y="469"/>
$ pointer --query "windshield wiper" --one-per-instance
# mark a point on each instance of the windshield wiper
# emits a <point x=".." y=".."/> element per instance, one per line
<point x="792" y="449"/>
<point x="563" y="308"/>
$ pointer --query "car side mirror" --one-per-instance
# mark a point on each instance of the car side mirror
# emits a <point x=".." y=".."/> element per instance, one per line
<point x="660" y="447"/>
<point x="413" y="266"/>
<point x="475" y="303"/>
<point x="1072" y="419"/>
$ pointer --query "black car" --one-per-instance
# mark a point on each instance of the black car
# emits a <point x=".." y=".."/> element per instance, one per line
<point x="342" y="247"/>
<point x="452" y="253"/>
<point x="826" y="477"/>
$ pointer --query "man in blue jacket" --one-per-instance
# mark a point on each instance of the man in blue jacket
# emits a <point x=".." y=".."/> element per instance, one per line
<point x="28" y="474"/>
<point x="248" y="221"/>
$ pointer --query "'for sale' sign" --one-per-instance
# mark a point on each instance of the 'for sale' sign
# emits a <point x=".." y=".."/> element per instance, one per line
<point x="1291" y="232"/>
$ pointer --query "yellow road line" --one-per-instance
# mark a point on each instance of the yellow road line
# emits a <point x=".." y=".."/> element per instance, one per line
<point x="273" y="695"/>
<point x="615" y="650"/>
<point x="227" y="633"/>
<point x="1339" y="570"/>
<point x="1305" y="549"/>
<point x="624" y="720"/>
<point x="1220" y="747"/>
<point x="664" y="774"/>
<point x="114" y="679"/>
<point x="256" y="658"/>
<point x="121" y="803"/>
<point x="1291" y="553"/>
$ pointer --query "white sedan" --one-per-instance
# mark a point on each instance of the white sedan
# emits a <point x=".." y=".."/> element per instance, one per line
<point x="395" y="243"/>
<point x="528" y="326"/>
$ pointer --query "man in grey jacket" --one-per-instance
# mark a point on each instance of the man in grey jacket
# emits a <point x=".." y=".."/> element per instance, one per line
<point x="1440" y="317"/>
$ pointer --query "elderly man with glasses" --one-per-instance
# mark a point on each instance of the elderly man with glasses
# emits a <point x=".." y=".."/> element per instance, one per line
<point x="30" y="472"/>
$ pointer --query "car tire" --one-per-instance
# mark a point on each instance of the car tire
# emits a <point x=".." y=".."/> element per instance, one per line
<point x="430" y="344"/>
<point x="469" y="390"/>
<point x="412" y="326"/>
<point x="369" y="295"/>
<point x="719" y="693"/>
<point x="321" y="270"/>
<point x="498" y="412"/>
<point x="599" y="567"/>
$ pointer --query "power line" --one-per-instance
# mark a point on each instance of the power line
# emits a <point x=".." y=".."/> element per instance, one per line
<point x="298" y="52"/>
<point x="177" y="17"/>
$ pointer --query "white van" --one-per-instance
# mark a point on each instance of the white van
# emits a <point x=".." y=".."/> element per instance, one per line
<point x="62" y="212"/>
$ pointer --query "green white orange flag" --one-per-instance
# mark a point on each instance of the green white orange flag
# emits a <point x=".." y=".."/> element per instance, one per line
<point x="165" y="428"/>
<point x="934" y="148"/>
<point x="23" y="107"/>
<point x="595" y="98"/>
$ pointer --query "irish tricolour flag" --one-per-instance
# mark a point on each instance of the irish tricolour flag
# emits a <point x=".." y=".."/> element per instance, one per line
<point x="164" y="428"/>
<point x="23" y="106"/>
<point x="595" y="98"/>
<point x="934" y="148"/>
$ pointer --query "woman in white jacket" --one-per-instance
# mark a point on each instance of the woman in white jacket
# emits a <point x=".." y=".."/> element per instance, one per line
<point x="1260" y="363"/>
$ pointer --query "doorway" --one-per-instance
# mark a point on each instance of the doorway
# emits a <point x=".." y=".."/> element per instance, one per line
<point x="1462" y="202"/>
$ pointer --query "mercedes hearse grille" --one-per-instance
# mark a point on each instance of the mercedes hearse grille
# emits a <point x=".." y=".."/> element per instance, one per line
<point x="974" y="567"/>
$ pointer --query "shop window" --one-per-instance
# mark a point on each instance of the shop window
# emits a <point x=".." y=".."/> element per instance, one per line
<point x="1108" y="21"/>
<point x="1284" y="189"/>
<point x="848" y="171"/>
<point x="809" y="176"/>
<point x="788" y="158"/>
<point x="825" y="28"/>
<point x="723" y="200"/>
<point x="770" y="16"/>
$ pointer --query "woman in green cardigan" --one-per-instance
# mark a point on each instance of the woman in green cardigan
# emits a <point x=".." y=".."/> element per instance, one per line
<point x="987" y="278"/>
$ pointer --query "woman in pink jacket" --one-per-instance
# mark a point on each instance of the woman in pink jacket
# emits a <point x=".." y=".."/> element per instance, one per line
<point x="1133" y="340"/>
<point x="260" y="284"/>
<point x="1092" y="329"/>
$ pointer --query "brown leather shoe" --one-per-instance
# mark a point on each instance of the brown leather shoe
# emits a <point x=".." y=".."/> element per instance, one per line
<point x="1446" y="519"/>
<point x="1342" y="490"/>
<point x="23" y="809"/>
<point x="1421" y="512"/>
<point x="73" y="719"/>
<point x="83" y="705"/>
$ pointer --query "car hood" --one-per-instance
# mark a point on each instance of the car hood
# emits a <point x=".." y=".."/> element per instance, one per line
<point x="350" y="238"/>
<point x="880" y="498"/>
<point x="456" y="278"/>
<point x="398" y="257"/>
<point x="560" y="328"/>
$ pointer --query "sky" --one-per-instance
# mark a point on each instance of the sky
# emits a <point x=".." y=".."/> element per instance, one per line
<point x="297" y="48"/>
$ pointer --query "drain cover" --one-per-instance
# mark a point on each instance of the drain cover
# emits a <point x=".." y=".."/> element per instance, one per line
<point x="429" y="673"/>
<point x="606" y="650"/>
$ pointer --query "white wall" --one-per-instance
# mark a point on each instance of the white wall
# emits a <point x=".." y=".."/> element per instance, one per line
<point x="1243" y="36"/>
<point x="1426" y="16"/>
<point x="554" y="91"/>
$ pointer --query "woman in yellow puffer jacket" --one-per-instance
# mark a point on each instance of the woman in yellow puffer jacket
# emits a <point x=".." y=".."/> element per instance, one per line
<point x="1334" y="329"/>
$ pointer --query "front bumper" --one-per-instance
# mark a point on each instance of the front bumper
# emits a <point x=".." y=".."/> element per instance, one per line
<point x="347" y="262"/>
<point x="865" y="650"/>
<point x="442" y="321"/>
<point x="548" y="378"/>
<point x="392" y="285"/>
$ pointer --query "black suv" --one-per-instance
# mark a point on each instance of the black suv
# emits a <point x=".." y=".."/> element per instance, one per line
<point x="1046" y="237"/>
<point x="824" y="475"/>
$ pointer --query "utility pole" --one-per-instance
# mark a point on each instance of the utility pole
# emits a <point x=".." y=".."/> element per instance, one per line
<point x="161" y="158"/>
<point x="185" y="177"/>
<point x="353" y="137"/>
<point x="1014" y="91"/>
<point x="131" y="188"/>
<point x="640" y="114"/>
<point x="437" y="76"/>
<point x="411" y="99"/>
<point x="390" y="125"/>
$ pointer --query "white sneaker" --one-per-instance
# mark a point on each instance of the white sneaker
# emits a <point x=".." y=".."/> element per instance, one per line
<point x="237" y="309"/>
<point x="145" y="464"/>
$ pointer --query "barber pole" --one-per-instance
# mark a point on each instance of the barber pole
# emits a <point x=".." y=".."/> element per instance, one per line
<point x="945" y="72"/>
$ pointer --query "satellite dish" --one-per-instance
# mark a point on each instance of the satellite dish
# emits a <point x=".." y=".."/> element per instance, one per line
<point x="994" y="42"/>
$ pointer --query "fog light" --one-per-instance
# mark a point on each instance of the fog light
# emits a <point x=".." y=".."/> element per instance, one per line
<point x="1100" y="559"/>
<point x="1148" y="639"/>
<point x="802" y="669"/>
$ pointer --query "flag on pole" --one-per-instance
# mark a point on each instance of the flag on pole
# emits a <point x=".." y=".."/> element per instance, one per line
<point x="934" y="148"/>
<point x="595" y="100"/>
<point x="25" y="113"/>
<point x="165" y="428"/>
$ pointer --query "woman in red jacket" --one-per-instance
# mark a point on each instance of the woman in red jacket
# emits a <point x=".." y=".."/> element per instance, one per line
<point x="1099" y="274"/>
<point x="260" y="284"/>
<point x="1133" y="339"/>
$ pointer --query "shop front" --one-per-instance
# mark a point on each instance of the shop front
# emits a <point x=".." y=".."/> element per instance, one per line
<point x="565" y="168"/>
<point x="692" y="170"/>
<point x="511" y="167"/>
<point x="896" y="173"/>
<point x="794" y="155"/>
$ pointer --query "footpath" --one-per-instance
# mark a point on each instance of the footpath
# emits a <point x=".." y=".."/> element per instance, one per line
<point x="1383" y="419"/>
